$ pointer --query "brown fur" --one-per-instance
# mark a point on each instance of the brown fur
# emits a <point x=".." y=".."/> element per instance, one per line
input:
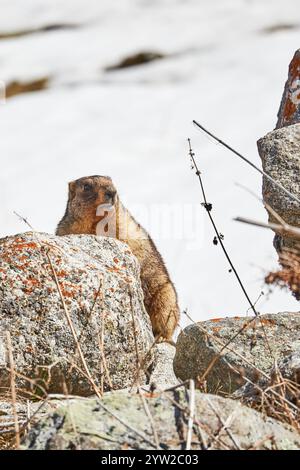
<point x="88" y="193"/>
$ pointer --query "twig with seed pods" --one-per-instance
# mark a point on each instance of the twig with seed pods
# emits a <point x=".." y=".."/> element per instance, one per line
<point x="208" y="208"/>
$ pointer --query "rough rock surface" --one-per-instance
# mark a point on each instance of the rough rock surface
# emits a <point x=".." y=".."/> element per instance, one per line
<point x="24" y="409"/>
<point x="289" y="112"/>
<point x="288" y="367"/>
<point x="31" y="310"/>
<point x="92" y="424"/>
<point x="280" y="154"/>
<point x="162" y="373"/>
<point x="200" y="343"/>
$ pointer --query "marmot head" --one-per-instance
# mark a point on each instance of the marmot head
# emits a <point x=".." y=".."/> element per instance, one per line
<point x="91" y="197"/>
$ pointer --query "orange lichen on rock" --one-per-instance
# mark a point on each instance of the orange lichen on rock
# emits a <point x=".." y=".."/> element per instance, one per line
<point x="113" y="270"/>
<point x="24" y="246"/>
<point x="33" y="281"/>
<point x="68" y="293"/>
<point x="216" y="329"/>
<point x="61" y="273"/>
<point x="289" y="112"/>
<point x="266" y="322"/>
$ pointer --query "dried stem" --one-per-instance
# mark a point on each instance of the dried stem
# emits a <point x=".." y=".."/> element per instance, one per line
<point x="279" y="228"/>
<point x="282" y="188"/>
<point x="13" y="388"/>
<point x="224" y="425"/>
<point x="70" y="323"/>
<point x="191" y="415"/>
<point x="234" y="351"/>
<point x="150" y="417"/>
<point x="208" y="208"/>
<point x="138" y="362"/>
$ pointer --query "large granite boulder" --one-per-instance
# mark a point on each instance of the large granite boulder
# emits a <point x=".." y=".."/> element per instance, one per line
<point x="260" y="342"/>
<point x="122" y="421"/>
<point x="280" y="154"/>
<point x="97" y="280"/>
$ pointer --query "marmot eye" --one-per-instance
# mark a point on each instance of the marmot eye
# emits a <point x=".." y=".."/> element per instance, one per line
<point x="87" y="187"/>
<point x="109" y="195"/>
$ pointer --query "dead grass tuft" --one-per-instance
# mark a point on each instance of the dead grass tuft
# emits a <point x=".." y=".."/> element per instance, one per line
<point x="289" y="274"/>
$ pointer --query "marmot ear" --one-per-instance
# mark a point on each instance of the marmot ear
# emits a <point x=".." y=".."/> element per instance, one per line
<point x="72" y="185"/>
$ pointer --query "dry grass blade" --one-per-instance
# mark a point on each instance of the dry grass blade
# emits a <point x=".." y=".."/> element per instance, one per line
<point x="289" y="274"/>
<point x="277" y="396"/>
<point x="28" y="414"/>
<point x="175" y="387"/>
<point x="85" y="366"/>
<point x="191" y="415"/>
<point x="275" y="403"/>
<point x="267" y="206"/>
<point x="259" y="443"/>
<point x="224" y="345"/>
<point x="138" y="361"/>
<point x="34" y="414"/>
<point x="128" y="426"/>
<point x="104" y="367"/>
<point x="13" y="388"/>
<point x="186" y="410"/>
<point x="99" y="294"/>
<point x="143" y="363"/>
<point x="150" y="417"/>
<point x="225" y="427"/>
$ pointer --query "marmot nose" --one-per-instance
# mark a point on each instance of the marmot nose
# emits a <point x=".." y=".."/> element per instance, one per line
<point x="109" y="197"/>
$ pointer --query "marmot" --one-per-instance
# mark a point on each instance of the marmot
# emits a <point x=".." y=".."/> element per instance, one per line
<point x="94" y="207"/>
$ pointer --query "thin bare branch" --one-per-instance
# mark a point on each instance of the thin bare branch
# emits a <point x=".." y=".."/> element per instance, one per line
<point x="282" y="229"/>
<point x="242" y="157"/>
<point x="150" y="417"/>
<point x="225" y="427"/>
<point x="70" y="323"/>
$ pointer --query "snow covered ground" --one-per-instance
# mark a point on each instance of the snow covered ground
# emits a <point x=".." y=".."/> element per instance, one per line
<point x="222" y="67"/>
